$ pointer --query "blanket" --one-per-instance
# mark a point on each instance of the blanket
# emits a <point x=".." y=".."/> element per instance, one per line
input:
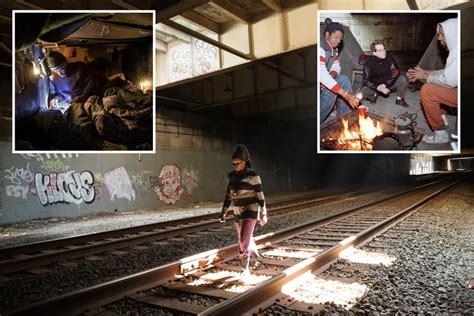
<point x="122" y="116"/>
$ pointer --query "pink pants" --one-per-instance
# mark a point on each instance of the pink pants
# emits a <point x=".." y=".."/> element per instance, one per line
<point x="245" y="236"/>
<point x="432" y="96"/>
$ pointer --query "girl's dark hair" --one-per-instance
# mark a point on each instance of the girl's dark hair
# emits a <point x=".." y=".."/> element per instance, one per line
<point x="242" y="153"/>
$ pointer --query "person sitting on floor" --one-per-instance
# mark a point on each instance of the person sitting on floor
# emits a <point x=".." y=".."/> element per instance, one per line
<point x="442" y="85"/>
<point x="381" y="75"/>
<point x="333" y="84"/>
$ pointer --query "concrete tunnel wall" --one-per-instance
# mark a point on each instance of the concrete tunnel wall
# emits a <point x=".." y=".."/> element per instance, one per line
<point x="190" y="166"/>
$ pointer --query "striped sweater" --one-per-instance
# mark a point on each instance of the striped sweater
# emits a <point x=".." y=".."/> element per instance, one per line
<point x="244" y="191"/>
<point x="324" y="73"/>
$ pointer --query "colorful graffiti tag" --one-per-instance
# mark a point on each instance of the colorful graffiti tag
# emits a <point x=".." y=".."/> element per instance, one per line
<point x="54" y="165"/>
<point x="70" y="187"/>
<point x="170" y="190"/>
<point x="118" y="184"/>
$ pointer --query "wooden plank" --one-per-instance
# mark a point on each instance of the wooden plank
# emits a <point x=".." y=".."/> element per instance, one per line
<point x="231" y="10"/>
<point x="118" y="252"/>
<point x="68" y="264"/>
<point x="38" y="271"/>
<point x="206" y="39"/>
<point x="202" y="290"/>
<point x="139" y="247"/>
<point x="275" y="5"/>
<point x="94" y="258"/>
<point x="311" y="243"/>
<point x="173" y="305"/>
<point x="201" y="20"/>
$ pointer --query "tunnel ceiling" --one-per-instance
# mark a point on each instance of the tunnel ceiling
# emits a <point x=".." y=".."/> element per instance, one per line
<point x="281" y="82"/>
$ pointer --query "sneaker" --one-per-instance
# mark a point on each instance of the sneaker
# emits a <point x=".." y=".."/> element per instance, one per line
<point x="257" y="262"/>
<point x="402" y="102"/>
<point x="439" y="137"/>
<point x="245" y="273"/>
<point x="373" y="98"/>
<point x="445" y="119"/>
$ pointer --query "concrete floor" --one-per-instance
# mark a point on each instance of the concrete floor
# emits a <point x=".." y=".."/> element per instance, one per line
<point x="386" y="107"/>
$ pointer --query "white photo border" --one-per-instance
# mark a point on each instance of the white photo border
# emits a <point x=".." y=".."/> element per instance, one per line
<point x="319" y="151"/>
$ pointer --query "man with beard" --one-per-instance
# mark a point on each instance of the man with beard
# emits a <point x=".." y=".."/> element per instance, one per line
<point x="442" y="85"/>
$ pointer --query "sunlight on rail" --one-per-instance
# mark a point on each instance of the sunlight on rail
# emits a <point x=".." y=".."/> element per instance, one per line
<point x="361" y="256"/>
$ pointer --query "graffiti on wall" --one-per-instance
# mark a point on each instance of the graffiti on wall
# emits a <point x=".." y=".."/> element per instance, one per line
<point x="17" y="191"/>
<point x="118" y="184"/>
<point x="54" y="165"/>
<point x="142" y="181"/>
<point x="70" y="187"/>
<point x="20" y="179"/>
<point x="191" y="59"/>
<point x="18" y="175"/>
<point x="179" y="62"/>
<point x="204" y="57"/>
<point x="175" y="184"/>
<point x="190" y="179"/>
<point x="170" y="189"/>
<point x="41" y="157"/>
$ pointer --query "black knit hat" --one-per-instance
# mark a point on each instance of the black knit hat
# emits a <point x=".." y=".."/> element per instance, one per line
<point x="56" y="60"/>
<point x="331" y="27"/>
<point x="242" y="153"/>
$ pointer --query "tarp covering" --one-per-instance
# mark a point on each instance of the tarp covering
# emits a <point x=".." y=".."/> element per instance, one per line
<point x="48" y="27"/>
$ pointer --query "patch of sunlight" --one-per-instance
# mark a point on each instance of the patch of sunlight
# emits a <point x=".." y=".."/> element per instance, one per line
<point x="298" y="254"/>
<point x="314" y="290"/>
<point x="361" y="256"/>
<point x="198" y="282"/>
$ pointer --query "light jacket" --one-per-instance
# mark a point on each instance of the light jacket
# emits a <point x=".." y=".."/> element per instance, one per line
<point x="448" y="76"/>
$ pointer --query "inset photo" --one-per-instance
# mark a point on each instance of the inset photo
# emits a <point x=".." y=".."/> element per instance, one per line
<point x="83" y="81"/>
<point x="389" y="82"/>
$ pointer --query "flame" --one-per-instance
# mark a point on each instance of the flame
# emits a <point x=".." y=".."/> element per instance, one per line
<point x="359" y="95"/>
<point x="352" y="137"/>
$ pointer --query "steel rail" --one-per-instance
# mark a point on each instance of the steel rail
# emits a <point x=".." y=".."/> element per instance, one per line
<point x="99" y="295"/>
<point x="117" y="240"/>
<point x="253" y="297"/>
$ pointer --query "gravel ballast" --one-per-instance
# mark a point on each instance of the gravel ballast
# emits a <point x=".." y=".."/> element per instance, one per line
<point x="450" y="235"/>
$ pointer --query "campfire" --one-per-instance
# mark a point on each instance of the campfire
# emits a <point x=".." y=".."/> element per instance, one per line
<point x="360" y="130"/>
<point x="358" y="136"/>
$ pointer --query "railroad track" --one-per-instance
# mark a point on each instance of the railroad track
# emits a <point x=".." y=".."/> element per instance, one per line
<point x="209" y="283"/>
<point x="29" y="256"/>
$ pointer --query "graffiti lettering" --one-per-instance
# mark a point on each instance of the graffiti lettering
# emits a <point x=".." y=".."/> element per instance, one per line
<point x="118" y="184"/>
<point x="170" y="190"/>
<point x="54" y="165"/>
<point x="142" y="182"/>
<point x="41" y="157"/>
<point x="205" y="57"/>
<point x="182" y="61"/>
<point x="70" y="187"/>
<point x="17" y="191"/>
<point x="190" y="179"/>
<point x="17" y="175"/>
